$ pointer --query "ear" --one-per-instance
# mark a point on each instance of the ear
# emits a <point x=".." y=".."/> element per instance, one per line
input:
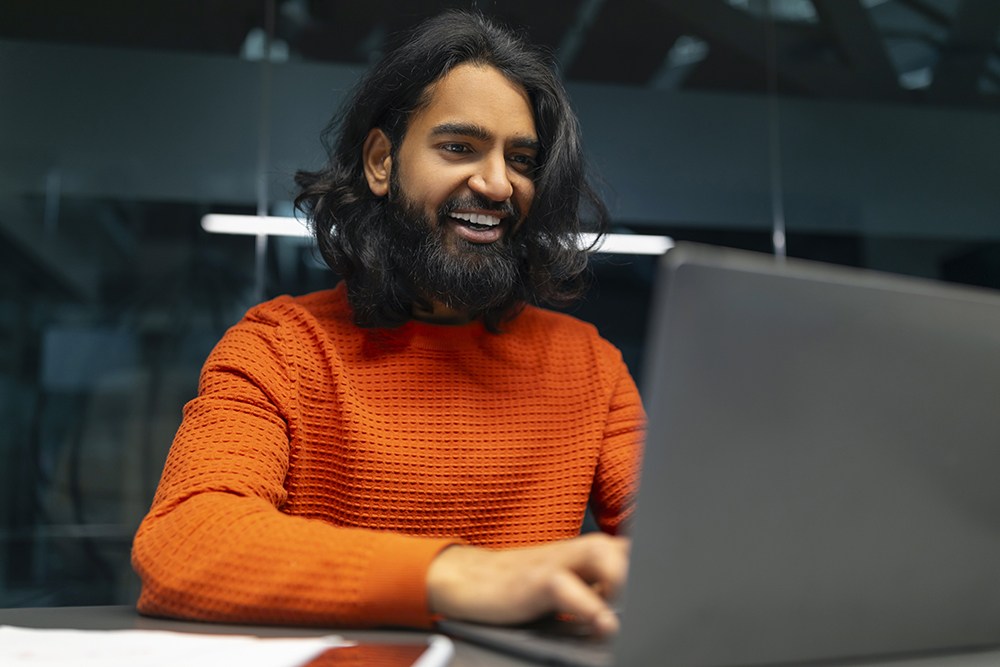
<point x="377" y="158"/>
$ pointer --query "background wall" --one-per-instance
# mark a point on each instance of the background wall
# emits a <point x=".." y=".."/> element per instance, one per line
<point x="866" y="130"/>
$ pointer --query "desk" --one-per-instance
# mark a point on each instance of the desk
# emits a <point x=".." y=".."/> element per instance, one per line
<point x="125" y="618"/>
<point x="466" y="655"/>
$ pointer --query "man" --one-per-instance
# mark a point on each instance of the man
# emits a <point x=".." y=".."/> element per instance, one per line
<point x="420" y="441"/>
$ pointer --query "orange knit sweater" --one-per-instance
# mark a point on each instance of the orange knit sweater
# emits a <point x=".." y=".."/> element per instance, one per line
<point x="322" y="466"/>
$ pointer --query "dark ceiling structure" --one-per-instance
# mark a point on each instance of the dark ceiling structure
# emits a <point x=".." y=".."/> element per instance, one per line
<point x="941" y="52"/>
<point x="918" y="53"/>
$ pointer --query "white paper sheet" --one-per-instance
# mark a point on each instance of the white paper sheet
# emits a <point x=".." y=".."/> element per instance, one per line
<point x="31" y="647"/>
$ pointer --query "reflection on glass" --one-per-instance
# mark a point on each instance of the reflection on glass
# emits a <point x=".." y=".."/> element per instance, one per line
<point x="122" y="126"/>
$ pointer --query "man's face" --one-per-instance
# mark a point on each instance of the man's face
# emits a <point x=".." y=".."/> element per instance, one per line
<point x="470" y="154"/>
<point x="460" y="185"/>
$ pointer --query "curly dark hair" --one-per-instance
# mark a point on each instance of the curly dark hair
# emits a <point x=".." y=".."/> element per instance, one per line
<point x="346" y="215"/>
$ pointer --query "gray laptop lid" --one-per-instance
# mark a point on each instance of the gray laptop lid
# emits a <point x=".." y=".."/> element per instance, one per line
<point x="822" y="474"/>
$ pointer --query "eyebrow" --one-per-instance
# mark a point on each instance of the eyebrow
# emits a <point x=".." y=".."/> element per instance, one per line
<point x="482" y="134"/>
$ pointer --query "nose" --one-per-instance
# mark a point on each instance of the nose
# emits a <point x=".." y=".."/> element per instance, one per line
<point x="490" y="179"/>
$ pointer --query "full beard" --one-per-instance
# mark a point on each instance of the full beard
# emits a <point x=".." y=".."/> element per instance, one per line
<point x="468" y="277"/>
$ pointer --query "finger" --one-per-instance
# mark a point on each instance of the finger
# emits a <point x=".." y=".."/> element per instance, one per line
<point x="603" y="563"/>
<point x="571" y="595"/>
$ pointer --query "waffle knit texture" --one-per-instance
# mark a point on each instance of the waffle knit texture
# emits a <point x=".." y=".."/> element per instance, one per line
<point x="322" y="466"/>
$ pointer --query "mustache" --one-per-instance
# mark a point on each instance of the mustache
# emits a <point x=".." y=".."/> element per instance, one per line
<point x="504" y="209"/>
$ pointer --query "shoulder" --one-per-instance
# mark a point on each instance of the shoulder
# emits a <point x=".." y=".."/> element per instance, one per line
<point x="305" y="321"/>
<point x="561" y="332"/>
<point x="279" y="340"/>
<point x="288" y="327"/>
<point x="325" y="308"/>
<point x="535" y="320"/>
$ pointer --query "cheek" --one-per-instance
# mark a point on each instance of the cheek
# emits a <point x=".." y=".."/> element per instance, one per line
<point x="432" y="187"/>
<point x="418" y="190"/>
<point x="525" y="197"/>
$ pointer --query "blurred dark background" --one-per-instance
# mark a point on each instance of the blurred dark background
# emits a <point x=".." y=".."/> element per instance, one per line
<point x="860" y="132"/>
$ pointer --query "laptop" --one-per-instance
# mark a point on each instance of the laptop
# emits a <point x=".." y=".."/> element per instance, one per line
<point x="820" y="477"/>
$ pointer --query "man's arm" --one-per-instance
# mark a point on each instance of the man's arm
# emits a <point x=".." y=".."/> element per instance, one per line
<point x="580" y="576"/>
<point x="616" y="478"/>
<point x="216" y="546"/>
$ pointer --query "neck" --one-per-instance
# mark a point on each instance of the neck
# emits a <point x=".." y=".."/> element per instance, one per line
<point x="441" y="314"/>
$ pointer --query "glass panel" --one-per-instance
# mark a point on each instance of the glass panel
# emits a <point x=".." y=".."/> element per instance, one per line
<point x="866" y="131"/>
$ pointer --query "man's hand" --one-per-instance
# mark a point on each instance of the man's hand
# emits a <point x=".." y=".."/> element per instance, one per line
<point x="577" y="576"/>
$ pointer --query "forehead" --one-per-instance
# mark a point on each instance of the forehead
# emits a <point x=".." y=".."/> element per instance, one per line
<point x="480" y="95"/>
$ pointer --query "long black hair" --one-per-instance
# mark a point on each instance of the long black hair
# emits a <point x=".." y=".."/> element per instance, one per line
<point x="346" y="215"/>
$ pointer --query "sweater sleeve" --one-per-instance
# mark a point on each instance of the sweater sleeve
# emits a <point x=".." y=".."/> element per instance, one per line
<point x="617" y="477"/>
<point x="215" y="544"/>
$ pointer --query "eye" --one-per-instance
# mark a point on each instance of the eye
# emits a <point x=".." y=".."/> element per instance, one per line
<point x="523" y="163"/>
<point x="457" y="149"/>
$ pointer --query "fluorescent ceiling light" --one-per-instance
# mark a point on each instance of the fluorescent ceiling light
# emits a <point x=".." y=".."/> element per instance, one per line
<point x="270" y="225"/>
<point x="253" y="225"/>
<point x="630" y="244"/>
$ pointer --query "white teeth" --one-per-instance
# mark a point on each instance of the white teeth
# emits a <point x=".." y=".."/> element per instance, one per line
<point x="477" y="218"/>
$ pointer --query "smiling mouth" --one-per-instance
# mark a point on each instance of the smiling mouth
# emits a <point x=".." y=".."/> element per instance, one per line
<point x="477" y="221"/>
<point x="477" y="228"/>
